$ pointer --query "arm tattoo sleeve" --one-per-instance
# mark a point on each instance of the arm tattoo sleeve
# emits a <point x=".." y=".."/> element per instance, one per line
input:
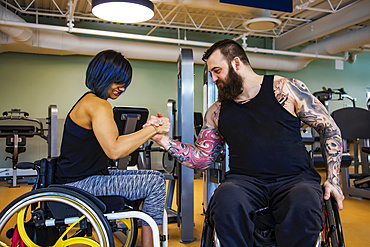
<point x="313" y="113"/>
<point x="202" y="154"/>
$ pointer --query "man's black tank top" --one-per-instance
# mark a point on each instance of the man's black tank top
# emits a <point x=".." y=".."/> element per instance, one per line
<point x="81" y="155"/>
<point x="263" y="137"/>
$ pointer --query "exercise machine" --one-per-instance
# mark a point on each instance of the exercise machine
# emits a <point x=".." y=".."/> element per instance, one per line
<point x="129" y="120"/>
<point x="354" y="125"/>
<point x="17" y="134"/>
<point x="327" y="94"/>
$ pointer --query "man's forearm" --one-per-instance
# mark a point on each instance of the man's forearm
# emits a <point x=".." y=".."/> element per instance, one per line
<point x="199" y="156"/>
<point x="331" y="145"/>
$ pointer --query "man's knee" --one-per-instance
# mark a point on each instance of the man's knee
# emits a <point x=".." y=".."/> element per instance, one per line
<point x="230" y="213"/>
<point x="306" y="195"/>
<point x="226" y="196"/>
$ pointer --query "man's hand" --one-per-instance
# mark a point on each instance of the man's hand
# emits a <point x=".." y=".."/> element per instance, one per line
<point x="335" y="191"/>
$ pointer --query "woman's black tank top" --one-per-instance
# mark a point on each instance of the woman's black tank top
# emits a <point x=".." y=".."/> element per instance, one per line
<point x="263" y="137"/>
<point x="81" y="155"/>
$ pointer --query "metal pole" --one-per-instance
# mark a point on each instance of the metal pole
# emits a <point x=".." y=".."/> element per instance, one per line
<point x="53" y="131"/>
<point x="186" y="131"/>
<point x="15" y="160"/>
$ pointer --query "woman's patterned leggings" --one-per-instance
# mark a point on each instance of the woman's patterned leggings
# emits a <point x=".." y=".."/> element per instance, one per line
<point x="132" y="185"/>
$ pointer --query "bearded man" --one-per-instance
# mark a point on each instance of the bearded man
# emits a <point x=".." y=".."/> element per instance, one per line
<point x="259" y="117"/>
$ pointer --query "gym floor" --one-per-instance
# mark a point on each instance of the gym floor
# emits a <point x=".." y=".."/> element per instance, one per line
<point x="355" y="216"/>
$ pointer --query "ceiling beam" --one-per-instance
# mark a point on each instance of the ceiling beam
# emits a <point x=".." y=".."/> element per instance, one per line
<point x="346" y="17"/>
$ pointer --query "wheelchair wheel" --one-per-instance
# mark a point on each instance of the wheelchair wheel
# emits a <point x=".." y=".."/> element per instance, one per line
<point x="83" y="223"/>
<point x="126" y="230"/>
<point x="333" y="234"/>
<point x="209" y="236"/>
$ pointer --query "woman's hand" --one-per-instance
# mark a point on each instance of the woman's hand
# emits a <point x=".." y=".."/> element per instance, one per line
<point x="161" y="124"/>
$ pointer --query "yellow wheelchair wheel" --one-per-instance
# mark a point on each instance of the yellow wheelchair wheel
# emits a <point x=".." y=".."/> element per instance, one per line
<point x="126" y="231"/>
<point x="84" y="224"/>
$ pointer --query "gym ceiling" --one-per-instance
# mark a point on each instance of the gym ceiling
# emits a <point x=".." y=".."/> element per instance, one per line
<point x="197" y="23"/>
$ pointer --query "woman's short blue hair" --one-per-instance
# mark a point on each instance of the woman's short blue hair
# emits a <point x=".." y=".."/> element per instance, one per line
<point x="106" y="68"/>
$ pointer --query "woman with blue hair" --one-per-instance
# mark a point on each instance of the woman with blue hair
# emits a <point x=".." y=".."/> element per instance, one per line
<point x="91" y="138"/>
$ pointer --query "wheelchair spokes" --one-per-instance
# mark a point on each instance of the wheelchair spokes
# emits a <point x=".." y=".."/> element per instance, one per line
<point x="75" y="240"/>
<point x="126" y="231"/>
<point x="62" y="241"/>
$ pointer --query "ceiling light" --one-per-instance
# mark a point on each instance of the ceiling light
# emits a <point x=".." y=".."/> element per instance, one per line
<point x="261" y="24"/>
<point x="124" y="11"/>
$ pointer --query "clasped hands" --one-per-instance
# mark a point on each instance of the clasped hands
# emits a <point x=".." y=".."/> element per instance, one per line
<point x="161" y="123"/>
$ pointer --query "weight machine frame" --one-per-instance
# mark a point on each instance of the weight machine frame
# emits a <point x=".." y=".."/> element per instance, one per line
<point x="51" y="138"/>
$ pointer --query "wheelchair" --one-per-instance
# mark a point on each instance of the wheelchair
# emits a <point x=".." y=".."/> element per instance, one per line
<point x="330" y="236"/>
<point x="62" y="215"/>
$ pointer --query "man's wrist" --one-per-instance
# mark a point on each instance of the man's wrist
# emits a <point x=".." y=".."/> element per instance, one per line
<point x="162" y="141"/>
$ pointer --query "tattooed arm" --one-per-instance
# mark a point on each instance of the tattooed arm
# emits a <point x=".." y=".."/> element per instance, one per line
<point x="310" y="110"/>
<point x="203" y="153"/>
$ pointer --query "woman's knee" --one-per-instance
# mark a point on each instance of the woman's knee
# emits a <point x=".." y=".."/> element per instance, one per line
<point x="158" y="182"/>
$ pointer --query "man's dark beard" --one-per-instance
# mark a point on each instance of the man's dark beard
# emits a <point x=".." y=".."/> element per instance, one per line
<point x="231" y="87"/>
